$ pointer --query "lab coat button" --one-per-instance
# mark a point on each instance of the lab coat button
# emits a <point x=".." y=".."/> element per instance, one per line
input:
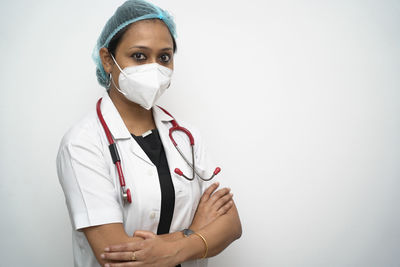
<point x="152" y="215"/>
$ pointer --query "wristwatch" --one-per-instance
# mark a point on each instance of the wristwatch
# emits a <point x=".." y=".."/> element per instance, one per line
<point x="187" y="232"/>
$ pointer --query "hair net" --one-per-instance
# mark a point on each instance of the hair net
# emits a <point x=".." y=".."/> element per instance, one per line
<point x="128" y="13"/>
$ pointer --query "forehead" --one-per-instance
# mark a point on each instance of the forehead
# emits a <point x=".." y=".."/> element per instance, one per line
<point x="152" y="32"/>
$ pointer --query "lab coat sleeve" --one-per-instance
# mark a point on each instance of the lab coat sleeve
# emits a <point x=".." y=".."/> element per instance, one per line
<point x="90" y="194"/>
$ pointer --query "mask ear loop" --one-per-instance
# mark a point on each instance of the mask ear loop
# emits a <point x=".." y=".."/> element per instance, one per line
<point x="111" y="78"/>
<point x="118" y="65"/>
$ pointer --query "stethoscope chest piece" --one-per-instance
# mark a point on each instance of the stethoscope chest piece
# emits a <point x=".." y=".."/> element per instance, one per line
<point x="126" y="195"/>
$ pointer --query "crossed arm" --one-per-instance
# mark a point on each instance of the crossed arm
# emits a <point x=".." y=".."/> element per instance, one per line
<point x="216" y="219"/>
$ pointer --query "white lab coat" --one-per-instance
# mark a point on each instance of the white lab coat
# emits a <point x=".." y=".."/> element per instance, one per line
<point x="91" y="184"/>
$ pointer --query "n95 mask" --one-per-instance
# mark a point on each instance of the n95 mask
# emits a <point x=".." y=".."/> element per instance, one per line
<point x="143" y="84"/>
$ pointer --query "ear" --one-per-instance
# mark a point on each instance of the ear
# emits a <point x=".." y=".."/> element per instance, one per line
<point x="106" y="59"/>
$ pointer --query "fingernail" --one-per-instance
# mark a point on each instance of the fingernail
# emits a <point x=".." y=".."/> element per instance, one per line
<point x="102" y="256"/>
<point x="107" y="265"/>
<point x="107" y="249"/>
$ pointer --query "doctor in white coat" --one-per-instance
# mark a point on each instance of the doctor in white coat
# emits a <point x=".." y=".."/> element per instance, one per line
<point x="168" y="220"/>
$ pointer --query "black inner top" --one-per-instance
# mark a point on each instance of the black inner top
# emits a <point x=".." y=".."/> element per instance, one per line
<point x="154" y="149"/>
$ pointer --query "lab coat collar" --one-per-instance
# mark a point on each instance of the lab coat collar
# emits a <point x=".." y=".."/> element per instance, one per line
<point x="113" y="119"/>
<point x="118" y="128"/>
<point x="160" y="115"/>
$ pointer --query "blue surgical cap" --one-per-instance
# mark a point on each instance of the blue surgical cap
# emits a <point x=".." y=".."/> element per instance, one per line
<point x="128" y="13"/>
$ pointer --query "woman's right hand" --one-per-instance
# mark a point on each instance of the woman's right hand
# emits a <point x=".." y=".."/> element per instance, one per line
<point x="211" y="206"/>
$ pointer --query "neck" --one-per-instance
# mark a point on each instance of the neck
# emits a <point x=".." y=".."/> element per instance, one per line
<point x="137" y="119"/>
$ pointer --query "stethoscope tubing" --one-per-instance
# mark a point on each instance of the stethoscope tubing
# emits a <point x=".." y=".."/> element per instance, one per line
<point x="126" y="193"/>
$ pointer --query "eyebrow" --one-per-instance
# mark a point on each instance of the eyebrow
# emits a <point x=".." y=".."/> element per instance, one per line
<point x="147" y="48"/>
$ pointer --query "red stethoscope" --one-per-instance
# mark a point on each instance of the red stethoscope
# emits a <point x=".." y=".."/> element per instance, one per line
<point x="126" y="192"/>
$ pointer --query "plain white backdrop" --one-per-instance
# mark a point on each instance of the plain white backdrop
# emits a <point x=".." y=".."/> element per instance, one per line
<point x="298" y="100"/>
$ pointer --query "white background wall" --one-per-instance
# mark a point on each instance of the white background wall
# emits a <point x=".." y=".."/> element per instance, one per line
<point x="297" y="99"/>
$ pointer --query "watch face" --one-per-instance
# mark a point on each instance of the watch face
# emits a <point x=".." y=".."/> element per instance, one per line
<point x="187" y="232"/>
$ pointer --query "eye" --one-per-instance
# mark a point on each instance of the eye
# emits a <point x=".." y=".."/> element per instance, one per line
<point x="165" y="58"/>
<point x="139" y="56"/>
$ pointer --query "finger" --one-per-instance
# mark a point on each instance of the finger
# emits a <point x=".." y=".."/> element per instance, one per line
<point x="144" y="234"/>
<point x="131" y="246"/>
<point x="225" y="208"/>
<point x="220" y="193"/>
<point x="124" y="264"/>
<point x="119" y="256"/>
<point x="209" y="191"/>
<point x="138" y="262"/>
<point x="222" y="201"/>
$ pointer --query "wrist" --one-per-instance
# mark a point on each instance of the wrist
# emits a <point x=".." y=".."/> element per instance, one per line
<point x="191" y="246"/>
<point x="182" y="251"/>
<point x="194" y="228"/>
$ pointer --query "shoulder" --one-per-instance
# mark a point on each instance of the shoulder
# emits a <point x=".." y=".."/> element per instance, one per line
<point x="194" y="130"/>
<point x="84" y="133"/>
<point x="162" y="114"/>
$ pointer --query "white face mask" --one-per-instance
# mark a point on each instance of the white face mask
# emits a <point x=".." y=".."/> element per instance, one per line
<point x="143" y="84"/>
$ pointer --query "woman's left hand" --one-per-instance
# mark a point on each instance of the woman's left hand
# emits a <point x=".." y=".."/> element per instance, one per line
<point x="152" y="251"/>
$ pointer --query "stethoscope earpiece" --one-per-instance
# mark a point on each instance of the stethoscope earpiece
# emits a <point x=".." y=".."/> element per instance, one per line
<point x="178" y="171"/>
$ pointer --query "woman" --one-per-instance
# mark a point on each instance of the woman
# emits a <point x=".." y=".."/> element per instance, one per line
<point x="156" y="217"/>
